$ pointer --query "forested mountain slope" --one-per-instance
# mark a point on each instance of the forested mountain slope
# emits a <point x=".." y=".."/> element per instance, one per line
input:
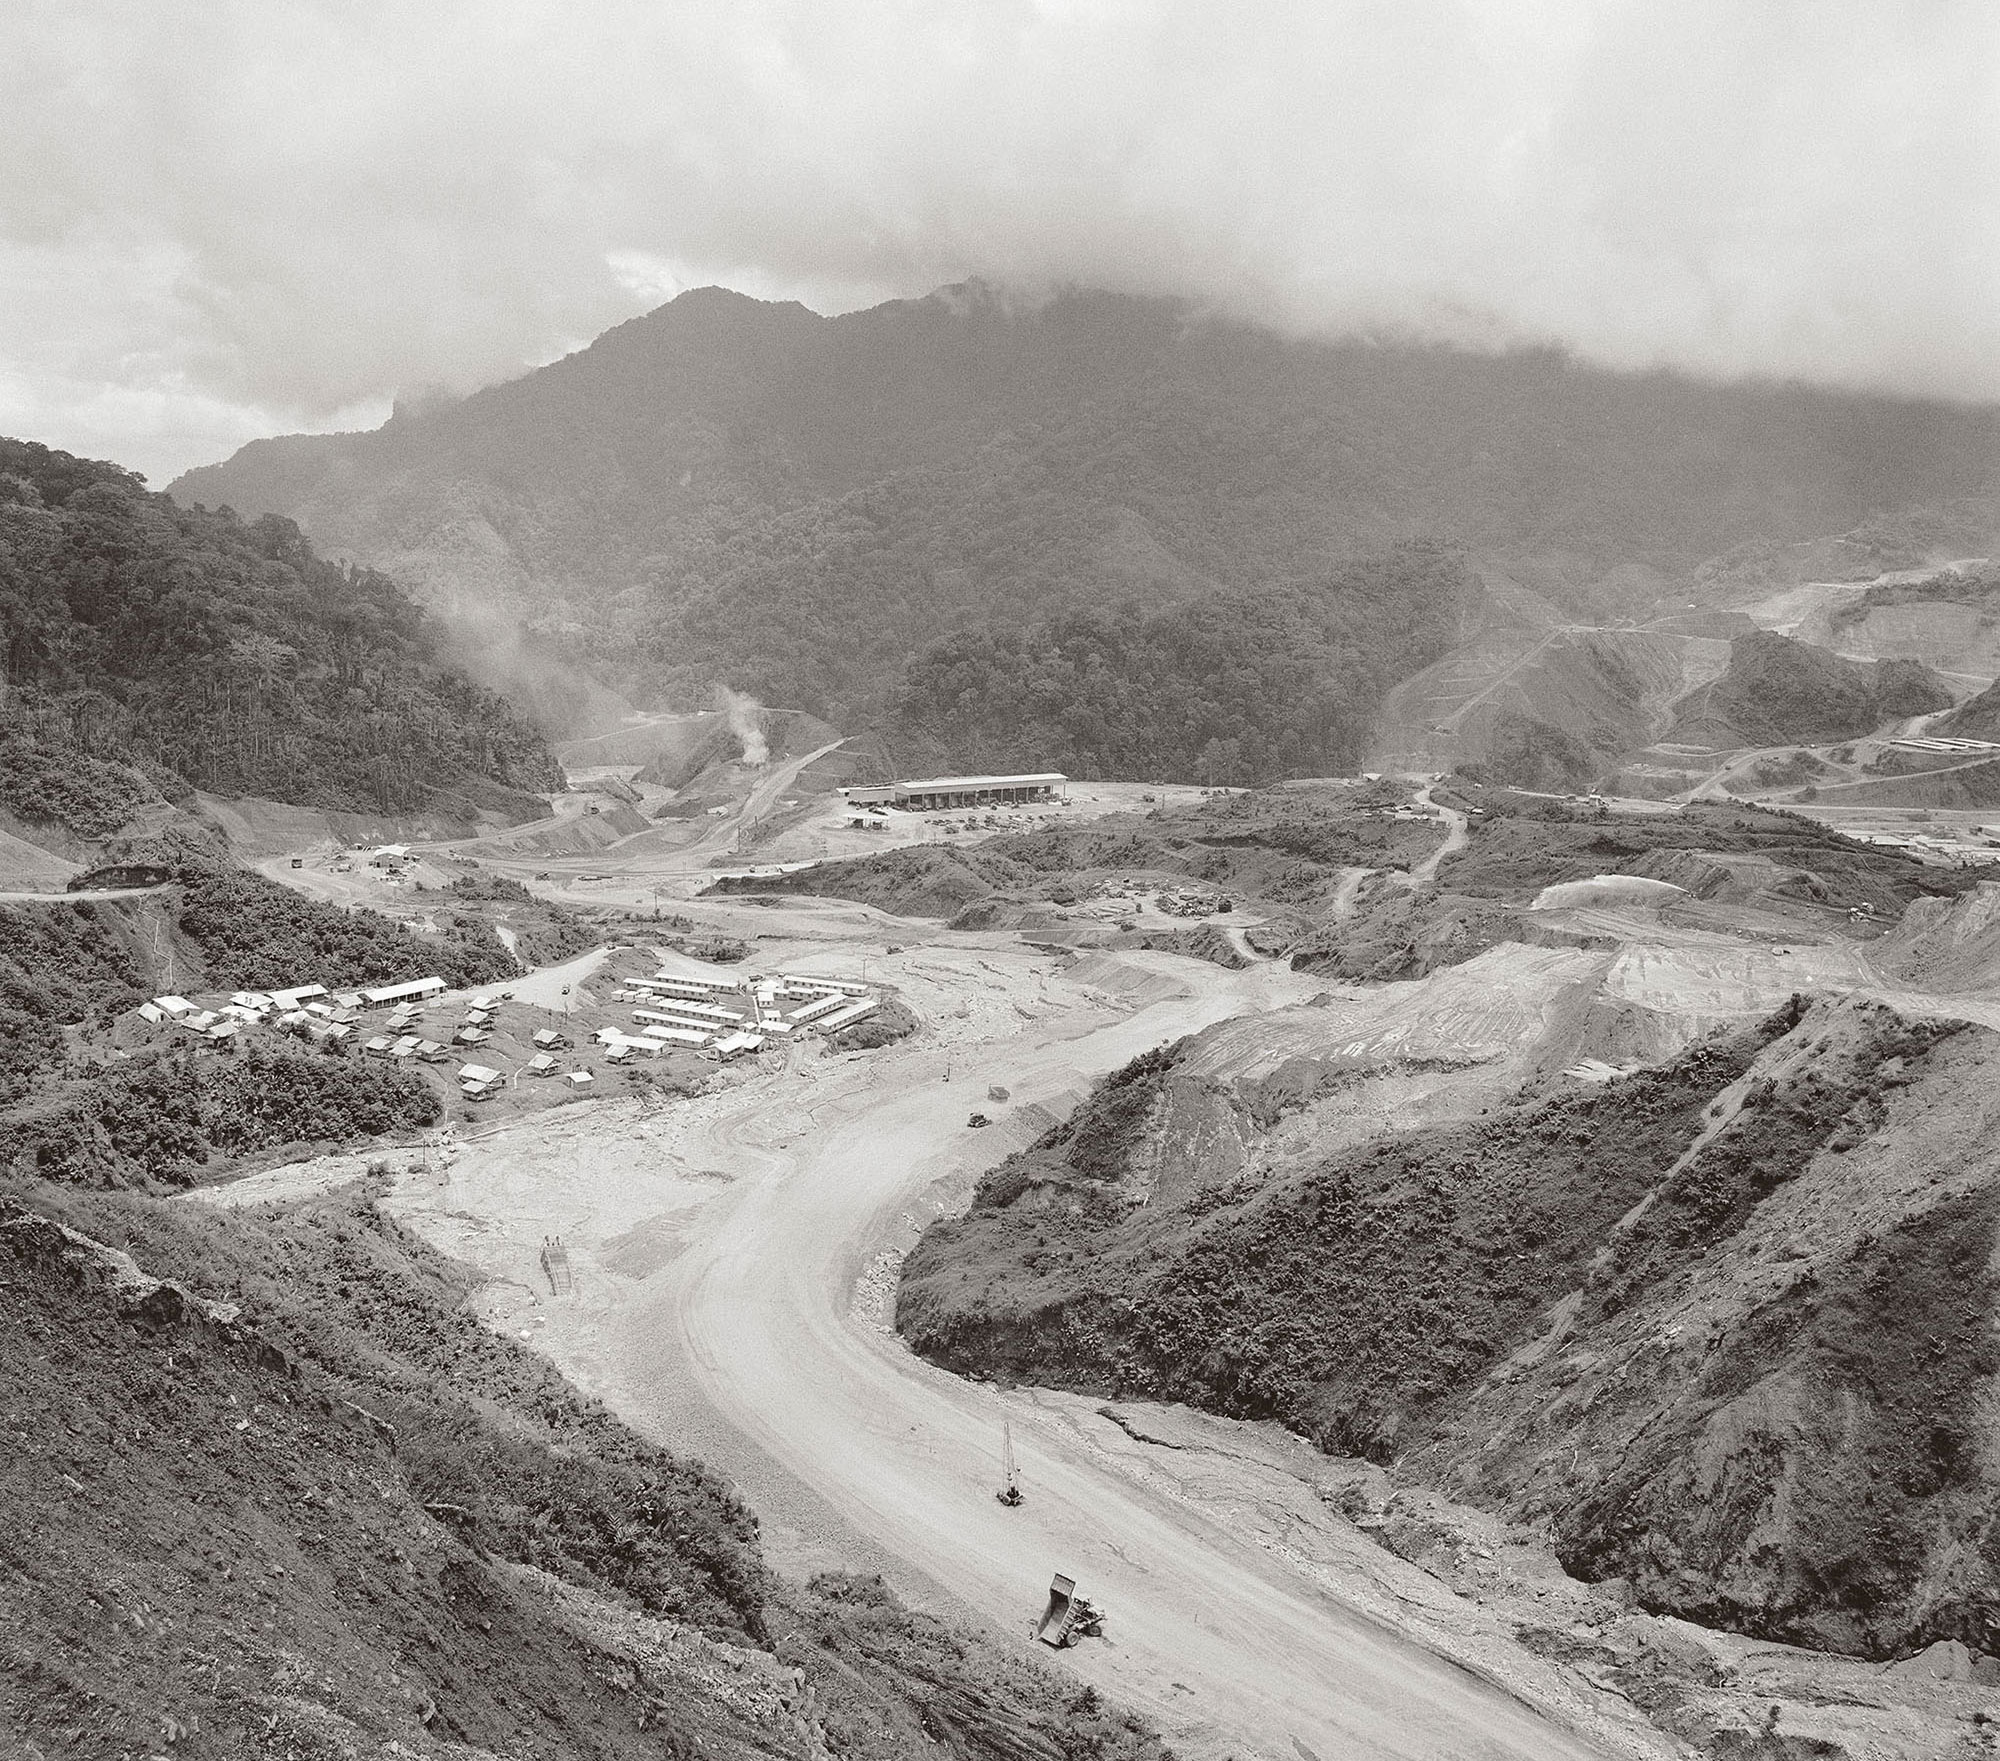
<point x="149" y="647"/>
<point x="725" y="489"/>
<point x="1274" y="682"/>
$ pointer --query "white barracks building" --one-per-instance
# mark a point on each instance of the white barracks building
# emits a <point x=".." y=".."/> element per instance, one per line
<point x="950" y="792"/>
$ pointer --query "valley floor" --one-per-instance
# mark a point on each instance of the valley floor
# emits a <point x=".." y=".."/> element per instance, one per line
<point x="734" y="1264"/>
<point x="731" y="1259"/>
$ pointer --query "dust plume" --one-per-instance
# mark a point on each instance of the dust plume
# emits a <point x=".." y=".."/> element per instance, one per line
<point x="746" y="722"/>
<point x="491" y="645"/>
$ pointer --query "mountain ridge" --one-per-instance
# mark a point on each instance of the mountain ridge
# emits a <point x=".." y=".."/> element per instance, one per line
<point x="755" y="495"/>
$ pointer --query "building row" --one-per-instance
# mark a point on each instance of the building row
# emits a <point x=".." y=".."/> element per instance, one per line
<point x="731" y="1015"/>
<point x="944" y="793"/>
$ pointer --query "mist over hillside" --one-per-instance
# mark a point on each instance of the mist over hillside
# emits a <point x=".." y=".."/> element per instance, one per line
<point x="731" y="491"/>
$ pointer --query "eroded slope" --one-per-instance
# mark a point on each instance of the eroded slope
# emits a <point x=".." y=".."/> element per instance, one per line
<point x="1722" y="1325"/>
<point x="298" y="1501"/>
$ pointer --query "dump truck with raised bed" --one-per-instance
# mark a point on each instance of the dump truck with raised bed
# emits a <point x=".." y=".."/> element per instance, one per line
<point x="1068" y="1617"/>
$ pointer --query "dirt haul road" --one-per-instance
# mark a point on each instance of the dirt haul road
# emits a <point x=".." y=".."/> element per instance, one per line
<point x="755" y="1319"/>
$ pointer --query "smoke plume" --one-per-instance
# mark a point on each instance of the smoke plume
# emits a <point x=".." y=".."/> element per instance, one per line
<point x="746" y="722"/>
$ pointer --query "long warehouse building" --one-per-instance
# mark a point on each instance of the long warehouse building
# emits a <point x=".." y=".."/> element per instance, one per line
<point x="936" y="792"/>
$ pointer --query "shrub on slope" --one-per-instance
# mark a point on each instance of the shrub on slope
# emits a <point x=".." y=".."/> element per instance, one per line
<point x="1349" y="1303"/>
<point x="59" y="965"/>
<point x="1777" y="692"/>
<point x="1281" y="681"/>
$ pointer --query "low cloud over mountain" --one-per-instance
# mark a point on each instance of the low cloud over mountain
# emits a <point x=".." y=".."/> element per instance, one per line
<point x="251" y="218"/>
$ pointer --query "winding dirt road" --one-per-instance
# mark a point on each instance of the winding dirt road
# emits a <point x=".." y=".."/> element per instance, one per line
<point x="1235" y="1651"/>
<point x="732" y="1259"/>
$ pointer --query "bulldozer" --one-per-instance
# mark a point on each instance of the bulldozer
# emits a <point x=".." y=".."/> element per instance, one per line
<point x="1068" y="1617"/>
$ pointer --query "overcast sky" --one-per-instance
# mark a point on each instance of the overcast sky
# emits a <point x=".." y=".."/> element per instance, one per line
<point x="229" y="218"/>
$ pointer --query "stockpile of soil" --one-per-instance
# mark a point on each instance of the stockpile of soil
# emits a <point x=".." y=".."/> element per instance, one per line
<point x="915" y="881"/>
<point x="1946" y="944"/>
<point x="1396" y="933"/>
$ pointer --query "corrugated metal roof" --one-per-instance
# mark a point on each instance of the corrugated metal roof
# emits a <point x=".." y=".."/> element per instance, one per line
<point x="939" y="785"/>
